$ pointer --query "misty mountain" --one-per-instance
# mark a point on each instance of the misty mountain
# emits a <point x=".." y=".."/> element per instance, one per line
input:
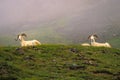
<point x="59" y="21"/>
<point x="49" y="33"/>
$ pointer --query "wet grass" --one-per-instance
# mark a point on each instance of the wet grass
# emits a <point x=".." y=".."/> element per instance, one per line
<point x="59" y="62"/>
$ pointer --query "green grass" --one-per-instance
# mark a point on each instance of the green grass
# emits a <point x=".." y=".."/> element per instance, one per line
<point x="115" y="42"/>
<point x="59" y="62"/>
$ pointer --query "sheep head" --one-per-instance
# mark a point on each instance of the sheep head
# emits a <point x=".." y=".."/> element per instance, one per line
<point x="93" y="36"/>
<point x="21" y="35"/>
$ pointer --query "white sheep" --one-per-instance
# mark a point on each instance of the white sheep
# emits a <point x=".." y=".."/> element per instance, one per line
<point x="27" y="43"/>
<point x="96" y="44"/>
<point x="85" y="44"/>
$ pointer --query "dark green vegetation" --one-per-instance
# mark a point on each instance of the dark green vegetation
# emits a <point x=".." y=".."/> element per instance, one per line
<point x="59" y="62"/>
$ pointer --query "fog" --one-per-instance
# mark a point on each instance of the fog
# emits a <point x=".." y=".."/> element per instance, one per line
<point x="77" y="15"/>
<point x="38" y="11"/>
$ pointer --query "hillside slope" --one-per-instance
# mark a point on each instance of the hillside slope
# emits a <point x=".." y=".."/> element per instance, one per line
<point x="59" y="31"/>
<point x="59" y="62"/>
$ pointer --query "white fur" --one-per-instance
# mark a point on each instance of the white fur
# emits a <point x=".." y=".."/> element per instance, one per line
<point x="97" y="44"/>
<point x="28" y="43"/>
<point x="100" y="44"/>
<point x="85" y="44"/>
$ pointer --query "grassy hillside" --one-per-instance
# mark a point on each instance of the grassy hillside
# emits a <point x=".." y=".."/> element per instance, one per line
<point x="59" y="62"/>
<point x="115" y="40"/>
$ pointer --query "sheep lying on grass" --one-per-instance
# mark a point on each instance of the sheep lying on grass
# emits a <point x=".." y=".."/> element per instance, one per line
<point x="94" y="43"/>
<point x="27" y="43"/>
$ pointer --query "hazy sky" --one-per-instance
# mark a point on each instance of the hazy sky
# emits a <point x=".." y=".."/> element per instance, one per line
<point x="17" y="11"/>
<point x="91" y="12"/>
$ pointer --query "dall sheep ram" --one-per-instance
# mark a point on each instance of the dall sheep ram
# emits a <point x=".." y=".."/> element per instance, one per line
<point x="96" y="44"/>
<point x="27" y="43"/>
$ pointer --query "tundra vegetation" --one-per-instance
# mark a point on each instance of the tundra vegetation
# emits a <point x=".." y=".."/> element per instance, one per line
<point x="59" y="62"/>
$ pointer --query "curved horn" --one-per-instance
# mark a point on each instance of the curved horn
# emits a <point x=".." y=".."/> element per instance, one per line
<point x="23" y="34"/>
<point x="17" y="37"/>
<point x="89" y="36"/>
<point x="95" y="35"/>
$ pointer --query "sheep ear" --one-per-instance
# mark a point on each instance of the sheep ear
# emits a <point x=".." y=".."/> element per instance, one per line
<point x="23" y="34"/>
